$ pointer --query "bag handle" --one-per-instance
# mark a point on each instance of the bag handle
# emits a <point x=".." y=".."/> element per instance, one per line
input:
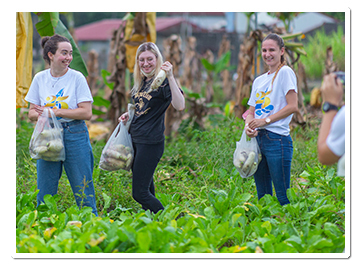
<point x="131" y="110"/>
<point x="118" y="128"/>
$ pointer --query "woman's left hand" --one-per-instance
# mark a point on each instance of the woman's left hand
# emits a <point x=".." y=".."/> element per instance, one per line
<point x="167" y="67"/>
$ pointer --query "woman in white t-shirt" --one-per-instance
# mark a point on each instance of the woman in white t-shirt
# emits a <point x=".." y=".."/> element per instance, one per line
<point x="273" y="101"/>
<point x="331" y="138"/>
<point x="66" y="92"/>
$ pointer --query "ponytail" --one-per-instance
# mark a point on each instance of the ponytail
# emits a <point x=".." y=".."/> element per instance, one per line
<point x="275" y="75"/>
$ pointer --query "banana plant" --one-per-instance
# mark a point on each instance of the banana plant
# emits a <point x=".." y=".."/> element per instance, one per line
<point x="220" y="65"/>
<point x="285" y="17"/>
<point x="293" y="46"/>
<point x="49" y="24"/>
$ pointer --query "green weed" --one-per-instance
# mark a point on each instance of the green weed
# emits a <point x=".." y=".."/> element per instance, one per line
<point x="208" y="206"/>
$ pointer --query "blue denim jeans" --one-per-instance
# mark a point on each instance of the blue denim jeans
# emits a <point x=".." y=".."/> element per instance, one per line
<point x="78" y="166"/>
<point x="275" y="165"/>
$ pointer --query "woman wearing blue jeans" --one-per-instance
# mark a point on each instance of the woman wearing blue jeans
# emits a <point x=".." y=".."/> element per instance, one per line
<point x="273" y="101"/>
<point x="66" y="92"/>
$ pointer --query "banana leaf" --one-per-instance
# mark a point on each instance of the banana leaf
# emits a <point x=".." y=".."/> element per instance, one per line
<point x="220" y="65"/>
<point x="289" y="36"/>
<point x="48" y="21"/>
<point x="299" y="50"/>
<point x="292" y="44"/>
<point x="50" y="24"/>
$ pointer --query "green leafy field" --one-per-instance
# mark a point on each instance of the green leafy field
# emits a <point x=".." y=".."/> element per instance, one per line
<point x="208" y="206"/>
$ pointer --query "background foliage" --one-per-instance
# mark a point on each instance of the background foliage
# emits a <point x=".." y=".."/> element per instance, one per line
<point x="316" y="48"/>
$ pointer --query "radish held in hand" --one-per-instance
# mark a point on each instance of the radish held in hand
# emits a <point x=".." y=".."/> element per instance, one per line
<point x="161" y="76"/>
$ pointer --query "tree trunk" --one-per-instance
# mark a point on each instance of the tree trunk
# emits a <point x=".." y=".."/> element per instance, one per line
<point x="244" y="71"/>
<point x="173" y="54"/>
<point x="93" y="69"/>
<point x="225" y="74"/>
<point x="209" y="56"/>
<point x="330" y="65"/>
<point x="191" y="77"/>
<point x="118" y="97"/>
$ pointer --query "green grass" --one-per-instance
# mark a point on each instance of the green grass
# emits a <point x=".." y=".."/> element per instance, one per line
<point x="209" y="207"/>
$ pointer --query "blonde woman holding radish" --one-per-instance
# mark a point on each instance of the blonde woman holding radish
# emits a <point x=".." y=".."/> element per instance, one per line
<point x="147" y="126"/>
<point x="273" y="101"/>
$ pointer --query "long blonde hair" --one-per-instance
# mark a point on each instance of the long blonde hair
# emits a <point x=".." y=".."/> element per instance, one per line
<point x="138" y="76"/>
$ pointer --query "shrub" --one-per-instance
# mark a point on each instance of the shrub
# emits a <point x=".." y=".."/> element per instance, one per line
<point x="316" y="48"/>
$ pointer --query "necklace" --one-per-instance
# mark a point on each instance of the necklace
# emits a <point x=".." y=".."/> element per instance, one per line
<point x="55" y="82"/>
<point x="58" y="78"/>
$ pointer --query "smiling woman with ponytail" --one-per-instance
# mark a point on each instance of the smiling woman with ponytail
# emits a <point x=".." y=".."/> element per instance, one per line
<point x="273" y="101"/>
<point x="66" y="92"/>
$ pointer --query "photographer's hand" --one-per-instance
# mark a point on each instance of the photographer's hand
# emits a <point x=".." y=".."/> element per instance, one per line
<point x="332" y="89"/>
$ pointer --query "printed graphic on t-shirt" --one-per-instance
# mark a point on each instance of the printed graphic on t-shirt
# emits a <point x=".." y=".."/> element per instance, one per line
<point x="262" y="104"/>
<point x="140" y="99"/>
<point x="56" y="101"/>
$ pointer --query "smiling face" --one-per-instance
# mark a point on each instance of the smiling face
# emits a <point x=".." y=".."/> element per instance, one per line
<point x="147" y="62"/>
<point x="271" y="54"/>
<point x="63" y="56"/>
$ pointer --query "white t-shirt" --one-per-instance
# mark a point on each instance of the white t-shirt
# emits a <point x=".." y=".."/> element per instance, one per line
<point x="268" y="99"/>
<point x="64" y="92"/>
<point x="336" y="138"/>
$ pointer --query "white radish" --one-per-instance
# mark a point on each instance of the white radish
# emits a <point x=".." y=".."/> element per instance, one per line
<point x="249" y="162"/>
<point x="161" y="76"/>
<point x="40" y="149"/>
<point x="55" y="145"/>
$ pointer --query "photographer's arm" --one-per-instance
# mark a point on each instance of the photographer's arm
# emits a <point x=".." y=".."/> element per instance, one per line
<point x="332" y="92"/>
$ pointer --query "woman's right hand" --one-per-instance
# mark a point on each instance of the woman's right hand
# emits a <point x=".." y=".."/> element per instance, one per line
<point x="250" y="132"/>
<point x="35" y="112"/>
<point x="124" y="118"/>
<point x="332" y="89"/>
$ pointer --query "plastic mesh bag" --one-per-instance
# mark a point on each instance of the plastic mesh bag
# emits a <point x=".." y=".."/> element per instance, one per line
<point x="118" y="153"/>
<point x="47" y="139"/>
<point x="246" y="155"/>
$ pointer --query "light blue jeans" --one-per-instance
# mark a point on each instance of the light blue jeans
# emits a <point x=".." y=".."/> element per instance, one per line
<point x="275" y="165"/>
<point x="78" y="166"/>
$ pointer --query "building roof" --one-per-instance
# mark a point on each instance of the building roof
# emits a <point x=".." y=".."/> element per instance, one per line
<point x="97" y="31"/>
<point x="102" y="30"/>
<point x="306" y="22"/>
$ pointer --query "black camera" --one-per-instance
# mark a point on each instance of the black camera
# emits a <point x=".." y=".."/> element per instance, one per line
<point x="340" y="76"/>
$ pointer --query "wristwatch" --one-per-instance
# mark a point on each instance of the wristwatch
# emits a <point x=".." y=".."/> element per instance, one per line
<point x="328" y="106"/>
<point x="267" y="120"/>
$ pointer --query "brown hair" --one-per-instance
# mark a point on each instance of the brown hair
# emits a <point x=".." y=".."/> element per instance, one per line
<point x="280" y="42"/>
<point x="50" y="44"/>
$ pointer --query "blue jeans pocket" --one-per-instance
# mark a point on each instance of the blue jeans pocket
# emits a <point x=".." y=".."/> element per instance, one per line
<point x="273" y="136"/>
<point x="78" y="128"/>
